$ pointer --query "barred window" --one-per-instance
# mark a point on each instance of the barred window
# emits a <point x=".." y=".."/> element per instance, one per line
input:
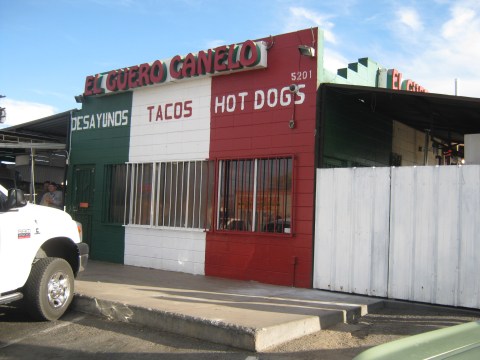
<point x="140" y="190"/>
<point x="115" y="187"/>
<point x="170" y="194"/>
<point x="255" y="195"/>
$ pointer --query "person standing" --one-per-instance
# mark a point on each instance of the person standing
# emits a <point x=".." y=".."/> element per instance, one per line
<point x="42" y="192"/>
<point x="52" y="198"/>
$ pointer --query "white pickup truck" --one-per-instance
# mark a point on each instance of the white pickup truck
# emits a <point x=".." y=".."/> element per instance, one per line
<point x="41" y="251"/>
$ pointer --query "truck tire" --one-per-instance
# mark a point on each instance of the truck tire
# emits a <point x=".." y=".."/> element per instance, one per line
<point x="49" y="289"/>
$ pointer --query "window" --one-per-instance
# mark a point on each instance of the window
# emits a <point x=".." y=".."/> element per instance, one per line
<point x="140" y="190"/>
<point x="115" y="186"/>
<point x="255" y="195"/>
<point x="170" y="194"/>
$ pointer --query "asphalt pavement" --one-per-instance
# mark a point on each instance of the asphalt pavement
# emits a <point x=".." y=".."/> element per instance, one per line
<point x="243" y="314"/>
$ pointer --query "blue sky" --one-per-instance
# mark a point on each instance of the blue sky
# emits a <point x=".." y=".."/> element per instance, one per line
<point x="48" y="47"/>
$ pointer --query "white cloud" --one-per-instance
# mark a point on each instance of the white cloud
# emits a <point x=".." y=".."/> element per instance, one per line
<point x="461" y="18"/>
<point x="301" y="18"/>
<point x="19" y="112"/>
<point x="409" y="18"/>
<point x="452" y="52"/>
<point x="425" y="49"/>
<point x="333" y="60"/>
<point x="212" y="44"/>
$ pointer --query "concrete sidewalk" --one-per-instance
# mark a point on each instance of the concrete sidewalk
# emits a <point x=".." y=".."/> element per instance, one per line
<point x="242" y="314"/>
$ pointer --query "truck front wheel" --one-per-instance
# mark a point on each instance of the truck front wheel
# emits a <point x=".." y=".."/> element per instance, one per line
<point x="49" y="288"/>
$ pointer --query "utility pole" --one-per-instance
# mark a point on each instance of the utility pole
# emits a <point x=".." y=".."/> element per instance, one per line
<point x="3" y="112"/>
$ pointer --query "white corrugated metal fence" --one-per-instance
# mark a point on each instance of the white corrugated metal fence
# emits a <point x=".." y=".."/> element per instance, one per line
<point x="408" y="233"/>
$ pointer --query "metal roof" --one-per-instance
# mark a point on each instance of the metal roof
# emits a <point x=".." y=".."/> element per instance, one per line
<point x="445" y="116"/>
<point x="48" y="133"/>
<point x="51" y="127"/>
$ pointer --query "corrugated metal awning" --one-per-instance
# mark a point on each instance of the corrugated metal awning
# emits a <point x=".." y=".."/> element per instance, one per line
<point x="46" y="134"/>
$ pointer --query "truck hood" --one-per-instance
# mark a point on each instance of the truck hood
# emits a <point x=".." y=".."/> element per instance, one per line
<point x="44" y="220"/>
<point x="48" y="213"/>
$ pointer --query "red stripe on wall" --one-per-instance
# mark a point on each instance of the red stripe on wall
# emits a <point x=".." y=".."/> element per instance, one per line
<point x="251" y="114"/>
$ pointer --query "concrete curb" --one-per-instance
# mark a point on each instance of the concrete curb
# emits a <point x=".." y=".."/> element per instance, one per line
<point x="249" y="338"/>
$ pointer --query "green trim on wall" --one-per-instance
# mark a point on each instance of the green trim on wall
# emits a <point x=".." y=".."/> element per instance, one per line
<point x="364" y="72"/>
<point x="101" y="136"/>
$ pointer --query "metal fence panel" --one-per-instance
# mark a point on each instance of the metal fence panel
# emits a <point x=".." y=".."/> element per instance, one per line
<point x="469" y="255"/>
<point x="412" y="238"/>
<point x="434" y="249"/>
<point x="351" y="241"/>
<point x="410" y="233"/>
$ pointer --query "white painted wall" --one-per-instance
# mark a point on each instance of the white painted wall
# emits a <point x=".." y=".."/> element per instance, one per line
<point x="186" y="138"/>
<point x="172" y="250"/>
<point x="428" y="250"/>
<point x="410" y="143"/>
<point x="472" y="149"/>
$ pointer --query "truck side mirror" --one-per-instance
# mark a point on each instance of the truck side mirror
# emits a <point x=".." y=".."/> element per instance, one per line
<point x="16" y="199"/>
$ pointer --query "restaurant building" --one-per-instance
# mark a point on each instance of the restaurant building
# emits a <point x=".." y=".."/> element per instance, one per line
<point x="205" y="163"/>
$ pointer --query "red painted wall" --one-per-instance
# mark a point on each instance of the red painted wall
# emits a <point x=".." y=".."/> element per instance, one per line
<point x="240" y="131"/>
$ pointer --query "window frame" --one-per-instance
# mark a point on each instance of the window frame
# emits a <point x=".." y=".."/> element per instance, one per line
<point x="108" y="175"/>
<point x="188" y="209"/>
<point x="218" y="188"/>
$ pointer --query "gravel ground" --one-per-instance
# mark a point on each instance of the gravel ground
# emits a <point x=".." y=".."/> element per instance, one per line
<point x="395" y="321"/>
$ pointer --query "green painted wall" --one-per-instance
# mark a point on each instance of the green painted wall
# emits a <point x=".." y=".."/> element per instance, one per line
<point x="364" y="72"/>
<point x="353" y="134"/>
<point x="98" y="144"/>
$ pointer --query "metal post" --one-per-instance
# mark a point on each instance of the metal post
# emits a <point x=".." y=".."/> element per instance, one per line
<point x="425" y="148"/>
<point x="32" y="176"/>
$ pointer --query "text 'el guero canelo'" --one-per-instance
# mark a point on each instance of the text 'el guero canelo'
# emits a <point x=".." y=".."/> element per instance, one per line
<point x="247" y="55"/>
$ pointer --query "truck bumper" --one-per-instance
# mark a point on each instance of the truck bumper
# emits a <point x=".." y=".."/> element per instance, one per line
<point x="82" y="256"/>
<point x="6" y="299"/>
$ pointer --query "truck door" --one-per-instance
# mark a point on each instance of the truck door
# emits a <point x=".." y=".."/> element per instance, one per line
<point x="83" y="198"/>
<point x="20" y="237"/>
